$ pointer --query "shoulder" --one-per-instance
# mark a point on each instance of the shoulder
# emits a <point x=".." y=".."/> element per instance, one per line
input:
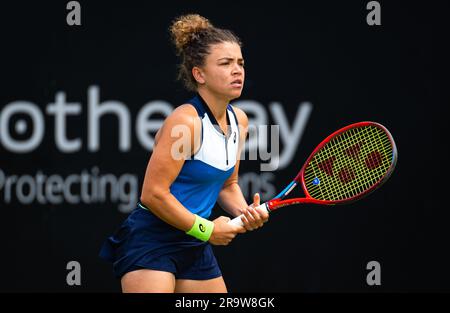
<point x="185" y="110"/>
<point x="241" y="116"/>
<point x="184" y="114"/>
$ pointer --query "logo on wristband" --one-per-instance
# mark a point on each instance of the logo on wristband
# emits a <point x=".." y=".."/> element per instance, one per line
<point x="202" y="228"/>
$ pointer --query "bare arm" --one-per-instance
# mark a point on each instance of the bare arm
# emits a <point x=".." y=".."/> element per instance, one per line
<point x="163" y="168"/>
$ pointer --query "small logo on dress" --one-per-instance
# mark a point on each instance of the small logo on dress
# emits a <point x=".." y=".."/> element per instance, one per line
<point x="316" y="181"/>
<point x="234" y="137"/>
<point x="202" y="228"/>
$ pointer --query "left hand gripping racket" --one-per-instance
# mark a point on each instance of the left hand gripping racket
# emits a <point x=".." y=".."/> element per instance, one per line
<point x="345" y="167"/>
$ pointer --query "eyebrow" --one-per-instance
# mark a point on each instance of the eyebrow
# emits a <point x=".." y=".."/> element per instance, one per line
<point x="230" y="59"/>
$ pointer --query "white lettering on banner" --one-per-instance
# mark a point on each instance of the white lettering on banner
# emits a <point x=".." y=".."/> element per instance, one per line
<point x="96" y="111"/>
<point x="94" y="188"/>
<point x="145" y="125"/>
<point x="257" y="116"/>
<point x="60" y="109"/>
<point x="55" y="189"/>
<point x="251" y="183"/>
<point x="290" y="136"/>
<point x="21" y="107"/>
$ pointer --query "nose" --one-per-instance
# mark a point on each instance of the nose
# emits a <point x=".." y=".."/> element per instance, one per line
<point x="237" y="69"/>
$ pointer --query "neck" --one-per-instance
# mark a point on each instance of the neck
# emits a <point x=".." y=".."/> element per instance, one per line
<point x="216" y="104"/>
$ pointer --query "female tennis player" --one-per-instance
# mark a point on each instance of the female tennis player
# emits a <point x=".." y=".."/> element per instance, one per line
<point x="165" y="243"/>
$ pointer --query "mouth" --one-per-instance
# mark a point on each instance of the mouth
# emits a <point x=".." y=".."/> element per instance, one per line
<point x="237" y="83"/>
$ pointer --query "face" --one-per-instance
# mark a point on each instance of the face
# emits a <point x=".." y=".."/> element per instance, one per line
<point x="223" y="72"/>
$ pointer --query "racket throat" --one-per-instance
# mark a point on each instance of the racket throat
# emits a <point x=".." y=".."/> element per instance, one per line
<point x="265" y="206"/>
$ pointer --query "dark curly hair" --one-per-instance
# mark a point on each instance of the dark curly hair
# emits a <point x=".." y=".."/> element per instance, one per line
<point x="193" y="36"/>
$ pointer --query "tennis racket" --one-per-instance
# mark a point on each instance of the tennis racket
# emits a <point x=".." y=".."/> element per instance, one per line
<point x="346" y="166"/>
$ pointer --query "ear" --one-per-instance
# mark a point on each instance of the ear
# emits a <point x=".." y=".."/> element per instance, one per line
<point x="198" y="75"/>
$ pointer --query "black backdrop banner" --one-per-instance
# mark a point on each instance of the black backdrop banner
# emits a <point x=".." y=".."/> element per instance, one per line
<point x="80" y="105"/>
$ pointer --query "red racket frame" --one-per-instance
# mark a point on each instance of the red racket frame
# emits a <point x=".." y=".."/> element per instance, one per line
<point x="277" y="203"/>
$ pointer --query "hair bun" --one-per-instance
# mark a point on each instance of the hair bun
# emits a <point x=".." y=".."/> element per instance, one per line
<point x="185" y="27"/>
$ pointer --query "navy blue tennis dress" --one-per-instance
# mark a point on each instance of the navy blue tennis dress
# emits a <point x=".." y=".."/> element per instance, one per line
<point x="144" y="241"/>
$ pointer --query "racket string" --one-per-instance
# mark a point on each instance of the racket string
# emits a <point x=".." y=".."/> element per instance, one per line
<point x="366" y="178"/>
<point x="353" y="168"/>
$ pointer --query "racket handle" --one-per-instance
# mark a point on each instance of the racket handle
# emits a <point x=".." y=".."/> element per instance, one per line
<point x="237" y="221"/>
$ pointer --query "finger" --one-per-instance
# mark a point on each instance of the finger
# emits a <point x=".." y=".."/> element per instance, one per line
<point x="242" y="211"/>
<point x="242" y="230"/>
<point x="250" y="220"/>
<point x="263" y="214"/>
<point x="245" y="218"/>
<point x="257" y="220"/>
<point x="256" y="199"/>
<point x="239" y="230"/>
<point x="249" y="215"/>
<point x="247" y="225"/>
